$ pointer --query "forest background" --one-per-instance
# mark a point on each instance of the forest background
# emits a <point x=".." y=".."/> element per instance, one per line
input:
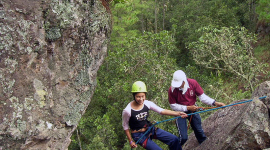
<point x="223" y="44"/>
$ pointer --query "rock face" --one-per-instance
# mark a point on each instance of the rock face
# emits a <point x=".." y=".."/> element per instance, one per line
<point x="50" y="52"/>
<point x="263" y="90"/>
<point x="244" y="126"/>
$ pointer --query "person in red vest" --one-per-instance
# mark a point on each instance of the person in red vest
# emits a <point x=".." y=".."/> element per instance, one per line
<point x="182" y="96"/>
<point x="135" y="121"/>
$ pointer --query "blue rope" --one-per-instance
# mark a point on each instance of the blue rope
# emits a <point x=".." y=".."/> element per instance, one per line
<point x="149" y="129"/>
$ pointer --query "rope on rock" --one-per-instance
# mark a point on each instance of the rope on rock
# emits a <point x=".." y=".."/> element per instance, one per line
<point x="149" y="129"/>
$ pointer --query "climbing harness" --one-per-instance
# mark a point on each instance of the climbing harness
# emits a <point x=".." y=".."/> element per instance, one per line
<point x="198" y="112"/>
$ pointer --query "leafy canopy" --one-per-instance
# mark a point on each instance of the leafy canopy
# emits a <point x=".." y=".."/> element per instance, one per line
<point x="228" y="50"/>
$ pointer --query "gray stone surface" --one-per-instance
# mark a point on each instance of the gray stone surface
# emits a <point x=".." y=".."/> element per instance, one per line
<point x="244" y="126"/>
<point x="50" y="52"/>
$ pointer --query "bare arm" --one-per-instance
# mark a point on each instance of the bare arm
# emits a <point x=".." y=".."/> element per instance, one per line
<point x="132" y="144"/>
<point x="173" y="113"/>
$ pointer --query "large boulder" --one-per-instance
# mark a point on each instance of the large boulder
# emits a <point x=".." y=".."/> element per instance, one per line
<point x="50" y="52"/>
<point x="263" y="90"/>
<point x="244" y="126"/>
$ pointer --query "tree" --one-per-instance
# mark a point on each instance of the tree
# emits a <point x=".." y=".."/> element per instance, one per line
<point x="263" y="10"/>
<point x="186" y="16"/>
<point x="228" y="50"/>
<point x="140" y="50"/>
<point x="142" y="58"/>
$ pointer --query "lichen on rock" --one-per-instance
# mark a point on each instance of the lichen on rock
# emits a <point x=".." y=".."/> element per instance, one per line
<point x="50" y="52"/>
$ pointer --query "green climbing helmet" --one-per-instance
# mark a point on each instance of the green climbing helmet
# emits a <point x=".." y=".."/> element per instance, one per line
<point x="138" y="86"/>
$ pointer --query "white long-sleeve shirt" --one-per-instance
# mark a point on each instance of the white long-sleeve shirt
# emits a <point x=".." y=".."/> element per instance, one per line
<point x="203" y="98"/>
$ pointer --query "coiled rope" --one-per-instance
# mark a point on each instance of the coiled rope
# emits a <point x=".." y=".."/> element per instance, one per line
<point x="149" y="129"/>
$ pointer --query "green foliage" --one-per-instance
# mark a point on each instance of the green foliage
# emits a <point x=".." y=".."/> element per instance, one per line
<point x="263" y="10"/>
<point x="152" y="39"/>
<point x="188" y="16"/>
<point x="147" y="60"/>
<point x="228" y="50"/>
<point x="144" y="58"/>
<point x="125" y="16"/>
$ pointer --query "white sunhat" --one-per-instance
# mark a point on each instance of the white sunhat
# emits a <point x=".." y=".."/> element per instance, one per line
<point x="178" y="77"/>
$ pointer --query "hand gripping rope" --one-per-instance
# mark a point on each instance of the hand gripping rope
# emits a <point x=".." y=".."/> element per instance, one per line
<point x="149" y="129"/>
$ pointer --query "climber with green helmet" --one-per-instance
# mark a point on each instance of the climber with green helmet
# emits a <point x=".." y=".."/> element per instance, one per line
<point x="135" y="121"/>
